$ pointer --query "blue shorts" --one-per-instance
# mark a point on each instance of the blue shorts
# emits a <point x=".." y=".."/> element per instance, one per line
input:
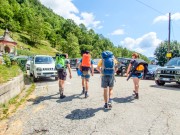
<point x="138" y="75"/>
<point x="85" y="75"/>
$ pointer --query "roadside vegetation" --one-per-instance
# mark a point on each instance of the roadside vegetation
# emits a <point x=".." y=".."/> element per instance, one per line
<point x="8" y="70"/>
<point x="7" y="73"/>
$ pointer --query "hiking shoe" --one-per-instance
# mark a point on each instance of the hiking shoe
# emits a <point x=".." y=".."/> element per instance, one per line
<point x="106" y="106"/>
<point x="110" y="103"/>
<point x="136" y="96"/>
<point x="62" y="96"/>
<point x="86" y="94"/>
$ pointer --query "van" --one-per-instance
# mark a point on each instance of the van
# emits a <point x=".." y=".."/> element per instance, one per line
<point x="42" y="66"/>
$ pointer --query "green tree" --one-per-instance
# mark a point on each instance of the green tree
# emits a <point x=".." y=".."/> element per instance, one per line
<point x="71" y="46"/>
<point x="162" y="50"/>
<point x="36" y="31"/>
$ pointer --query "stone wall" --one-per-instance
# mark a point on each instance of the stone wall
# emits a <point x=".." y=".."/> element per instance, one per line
<point x="11" y="88"/>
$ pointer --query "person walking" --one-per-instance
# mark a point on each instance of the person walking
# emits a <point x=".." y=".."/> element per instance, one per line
<point x="135" y="70"/>
<point x="62" y="63"/>
<point x="86" y="67"/>
<point x="107" y="66"/>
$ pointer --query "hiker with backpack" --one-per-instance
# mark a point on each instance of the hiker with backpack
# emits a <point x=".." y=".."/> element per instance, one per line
<point x="86" y="67"/>
<point x="61" y="65"/>
<point x="107" y="66"/>
<point x="137" y="69"/>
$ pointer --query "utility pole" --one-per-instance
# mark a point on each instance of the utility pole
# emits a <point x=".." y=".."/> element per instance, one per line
<point x="169" y="35"/>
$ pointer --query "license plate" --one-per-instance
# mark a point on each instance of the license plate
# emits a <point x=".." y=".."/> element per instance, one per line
<point x="165" y="79"/>
<point x="48" y="75"/>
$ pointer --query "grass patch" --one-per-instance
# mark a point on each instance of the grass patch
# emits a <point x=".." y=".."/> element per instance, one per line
<point x="14" y="103"/>
<point x="22" y="40"/>
<point x="7" y="73"/>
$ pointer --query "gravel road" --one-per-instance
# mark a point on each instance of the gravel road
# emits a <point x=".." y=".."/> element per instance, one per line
<point x="157" y="112"/>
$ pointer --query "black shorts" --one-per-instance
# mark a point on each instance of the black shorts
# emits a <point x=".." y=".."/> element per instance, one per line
<point x="62" y="75"/>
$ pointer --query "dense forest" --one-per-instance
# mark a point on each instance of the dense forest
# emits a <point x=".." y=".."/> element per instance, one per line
<point x="41" y="23"/>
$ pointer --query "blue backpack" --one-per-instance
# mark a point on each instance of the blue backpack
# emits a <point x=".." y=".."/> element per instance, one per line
<point x="107" y="63"/>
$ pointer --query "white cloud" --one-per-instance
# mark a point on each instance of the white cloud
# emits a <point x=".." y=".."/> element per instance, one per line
<point x="175" y="16"/>
<point x="68" y="10"/>
<point x="118" y="32"/>
<point x="145" y="44"/>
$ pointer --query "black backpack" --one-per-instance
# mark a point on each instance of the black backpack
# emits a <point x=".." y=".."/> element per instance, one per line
<point x="137" y="63"/>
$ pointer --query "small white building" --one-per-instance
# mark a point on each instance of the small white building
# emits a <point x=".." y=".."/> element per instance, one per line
<point x="7" y="44"/>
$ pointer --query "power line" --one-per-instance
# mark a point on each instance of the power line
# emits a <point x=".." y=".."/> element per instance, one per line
<point x="150" y="7"/>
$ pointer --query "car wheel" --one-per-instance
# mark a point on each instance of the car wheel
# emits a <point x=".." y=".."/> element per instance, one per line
<point x="31" y="75"/>
<point x="117" y="73"/>
<point x="159" y="83"/>
<point x="34" y="79"/>
<point x="56" y="78"/>
<point x="178" y="82"/>
<point x="122" y="72"/>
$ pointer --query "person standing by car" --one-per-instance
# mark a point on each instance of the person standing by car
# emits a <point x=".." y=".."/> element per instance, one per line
<point x="86" y="67"/>
<point x="107" y="66"/>
<point x="135" y="70"/>
<point x="61" y="65"/>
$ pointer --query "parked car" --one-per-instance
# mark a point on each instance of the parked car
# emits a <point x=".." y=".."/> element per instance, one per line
<point x="28" y="63"/>
<point x="74" y="63"/>
<point x="151" y="71"/>
<point x="43" y="66"/>
<point x="95" y="64"/>
<point x="122" y="65"/>
<point x="169" y="73"/>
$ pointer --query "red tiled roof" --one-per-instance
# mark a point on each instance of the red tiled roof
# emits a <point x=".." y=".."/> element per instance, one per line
<point x="6" y="38"/>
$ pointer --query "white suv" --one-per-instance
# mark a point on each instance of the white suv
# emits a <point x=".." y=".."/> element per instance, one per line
<point x="43" y="66"/>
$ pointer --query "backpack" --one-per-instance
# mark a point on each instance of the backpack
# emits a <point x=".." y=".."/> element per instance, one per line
<point x="60" y="62"/>
<point x="86" y="62"/>
<point x="139" y="66"/>
<point x="107" y="63"/>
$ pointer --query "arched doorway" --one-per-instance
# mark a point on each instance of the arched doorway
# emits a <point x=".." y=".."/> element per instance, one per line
<point x="7" y="49"/>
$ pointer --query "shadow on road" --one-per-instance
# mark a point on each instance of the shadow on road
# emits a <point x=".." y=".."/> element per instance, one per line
<point x="174" y="87"/>
<point x="69" y="98"/>
<point x="128" y="99"/>
<point x="79" y="114"/>
<point x="39" y="99"/>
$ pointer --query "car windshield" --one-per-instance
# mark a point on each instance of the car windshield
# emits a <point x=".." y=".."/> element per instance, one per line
<point x="44" y="60"/>
<point x="96" y="61"/>
<point x="174" y="62"/>
<point x="151" y="67"/>
<point x="123" y="60"/>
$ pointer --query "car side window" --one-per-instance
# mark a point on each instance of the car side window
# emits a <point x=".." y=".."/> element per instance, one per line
<point x="178" y="63"/>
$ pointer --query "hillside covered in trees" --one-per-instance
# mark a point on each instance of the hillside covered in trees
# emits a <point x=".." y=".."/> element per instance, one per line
<point x="35" y="25"/>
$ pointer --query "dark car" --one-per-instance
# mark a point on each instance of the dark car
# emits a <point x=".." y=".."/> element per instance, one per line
<point x="169" y="73"/>
<point x="122" y="65"/>
<point x="74" y="63"/>
<point x="151" y="71"/>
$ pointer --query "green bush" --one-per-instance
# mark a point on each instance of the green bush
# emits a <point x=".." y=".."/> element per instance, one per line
<point x="7" y="60"/>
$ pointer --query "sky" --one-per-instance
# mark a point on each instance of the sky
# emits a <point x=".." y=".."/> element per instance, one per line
<point x="139" y="25"/>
